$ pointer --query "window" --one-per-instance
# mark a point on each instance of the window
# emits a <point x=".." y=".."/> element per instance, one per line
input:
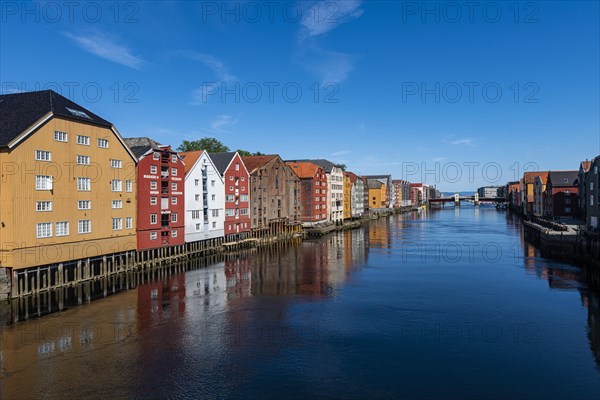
<point x="231" y="177"/>
<point x="153" y="200"/>
<point x="117" y="224"/>
<point x="103" y="143"/>
<point x="197" y="227"/>
<point x="83" y="184"/>
<point x="43" y="182"/>
<point x="592" y="185"/>
<point x="231" y="188"/>
<point x="117" y="204"/>
<point x="60" y="136"/>
<point x="128" y="222"/>
<point x="212" y="183"/>
<point x="173" y="200"/>
<point x="229" y="198"/>
<point x="591" y="200"/>
<point x="567" y="209"/>
<point x="174" y="158"/>
<point x="153" y="218"/>
<point x="174" y="171"/>
<point x="244" y="211"/>
<point x="62" y="228"/>
<point x="595" y="170"/>
<point x="195" y="214"/>
<point x="244" y="178"/>
<point x="173" y="186"/>
<point x="244" y="197"/>
<point x="44" y="230"/>
<point x="174" y="217"/>
<point x="174" y="233"/>
<point x="214" y="225"/>
<point x="197" y="197"/>
<point x="156" y="155"/>
<point x="84" y="226"/>
<point x="243" y="189"/>
<point x="84" y="140"/>
<point x="116" y="185"/>
<point x="197" y="182"/>
<point x="43" y="206"/>
<point x="153" y="169"/>
<point x="229" y="212"/>
<point x="42" y="155"/>
<point x="128" y="186"/>
<point x="215" y="213"/>
<point x="153" y="235"/>
<point x="213" y="197"/>
<point x="237" y="166"/>
<point x="116" y="163"/>
<point x="83" y="160"/>
<point x="567" y="201"/>
<point x="317" y="198"/>
<point x="84" y="205"/>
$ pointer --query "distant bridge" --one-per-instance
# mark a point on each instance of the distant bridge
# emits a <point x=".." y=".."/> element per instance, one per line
<point x="456" y="199"/>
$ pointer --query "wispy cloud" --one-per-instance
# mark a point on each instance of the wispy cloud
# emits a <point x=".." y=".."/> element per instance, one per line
<point x="324" y="16"/>
<point x="320" y="18"/>
<point x="222" y="121"/>
<point x="107" y="47"/>
<point x="340" y="153"/>
<point x="464" y="142"/>
<point x="220" y="69"/>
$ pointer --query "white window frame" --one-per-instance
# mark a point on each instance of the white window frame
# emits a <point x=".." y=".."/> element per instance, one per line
<point x="117" y="224"/>
<point x="43" y="182"/>
<point x="153" y="236"/>
<point x="60" y="136"/>
<point x="84" y="223"/>
<point x="174" y="171"/>
<point x="117" y="204"/>
<point x="173" y="217"/>
<point x="114" y="163"/>
<point x="173" y="201"/>
<point x="128" y="186"/>
<point x="153" y="169"/>
<point x="64" y="228"/>
<point x="174" y="233"/>
<point x="153" y="185"/>
<point x="156" y="155"/>
<point x="82" y="160"/>
<point x="153" y="200"/>
<point x="116" y="185"/>
<point x="81" y="203"/>
<point x="174" y="158"/>
<point x="43" y="230"/>
<point x="43" y="155"/>
<point x="84" y="184"/>
<point x="128" y="222"/>
<point x="153" y="219"/>
<point x="102" y="143"/>
<point x="83" y="140"/>
<point x="173" y="186"/>
<point x="43" y="206"/>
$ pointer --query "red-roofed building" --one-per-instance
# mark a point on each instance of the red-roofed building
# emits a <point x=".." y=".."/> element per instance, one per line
<point x="313" y="191"/>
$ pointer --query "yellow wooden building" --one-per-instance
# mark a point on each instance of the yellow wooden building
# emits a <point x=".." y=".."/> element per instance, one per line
<point x="68" y="183"/>
<point x="347" y="196"/>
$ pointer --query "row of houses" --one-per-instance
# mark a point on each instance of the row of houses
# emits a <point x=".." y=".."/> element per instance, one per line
<point x="72" y="186"/>
<point x="559" y="194"/>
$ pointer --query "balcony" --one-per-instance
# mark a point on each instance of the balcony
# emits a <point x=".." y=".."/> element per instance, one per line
<point x="164" y="174"/>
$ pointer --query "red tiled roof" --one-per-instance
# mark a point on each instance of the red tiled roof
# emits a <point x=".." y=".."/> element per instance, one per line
<point x="352" y="176"/>
<point x="304" y="169"/>
<point x="529" y="177"/>
<point x="254" y="162"/>
<point x="190" y="158"/>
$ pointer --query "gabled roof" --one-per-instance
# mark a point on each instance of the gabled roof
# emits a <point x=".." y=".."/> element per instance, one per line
<point x="190" y="158"/>
<point x="21" y="111"/>
<point x="562" y="178"/>
<point x="303" y="169"/>
<point x="141" y="145"/>
<point x="529" y="177"/>
<point x="352" y="176"/>
<point x="252" y="163"/>
<point x="374" y="184"/>
<point x="542" y="178"/>
<point x="321" y="162"/>
<point x="222" y="160"/>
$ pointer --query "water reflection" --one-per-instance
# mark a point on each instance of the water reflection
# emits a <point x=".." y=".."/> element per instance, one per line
<point x="333" y="317"/>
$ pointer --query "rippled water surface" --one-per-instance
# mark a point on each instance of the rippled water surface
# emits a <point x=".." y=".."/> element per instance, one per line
<point x="446" y="304"/>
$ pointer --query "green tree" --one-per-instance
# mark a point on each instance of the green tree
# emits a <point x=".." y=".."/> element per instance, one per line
<point x="341" y="166"/>
<point x="209" y="144"/>
<point x="245" y="153"/>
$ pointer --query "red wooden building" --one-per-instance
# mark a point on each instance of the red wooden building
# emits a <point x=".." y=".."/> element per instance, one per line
<point x="160" y="191"/>
<point x="562" y="194"/>
<point x="313" y="191"/>
<point x="237" y="194"/>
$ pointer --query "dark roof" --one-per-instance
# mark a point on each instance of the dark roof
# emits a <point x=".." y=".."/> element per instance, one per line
<point x="325" y="164"/>
<point x="378" y="176"/>
<point x="20" y="111"/>
<point x="374" y="184"/>
<point x="222" y="160"/>
<point x="254" y="162"/>
<point x="140" y="145"/>
<point x="562" y="178"/>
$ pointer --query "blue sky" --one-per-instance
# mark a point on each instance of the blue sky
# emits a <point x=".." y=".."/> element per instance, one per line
<point x="437" y="91"/>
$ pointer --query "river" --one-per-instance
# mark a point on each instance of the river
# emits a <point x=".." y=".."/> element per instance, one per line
<point x="442" y="304"/>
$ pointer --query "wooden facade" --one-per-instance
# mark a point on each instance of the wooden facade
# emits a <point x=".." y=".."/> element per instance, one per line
<point x="313" y="191"/>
